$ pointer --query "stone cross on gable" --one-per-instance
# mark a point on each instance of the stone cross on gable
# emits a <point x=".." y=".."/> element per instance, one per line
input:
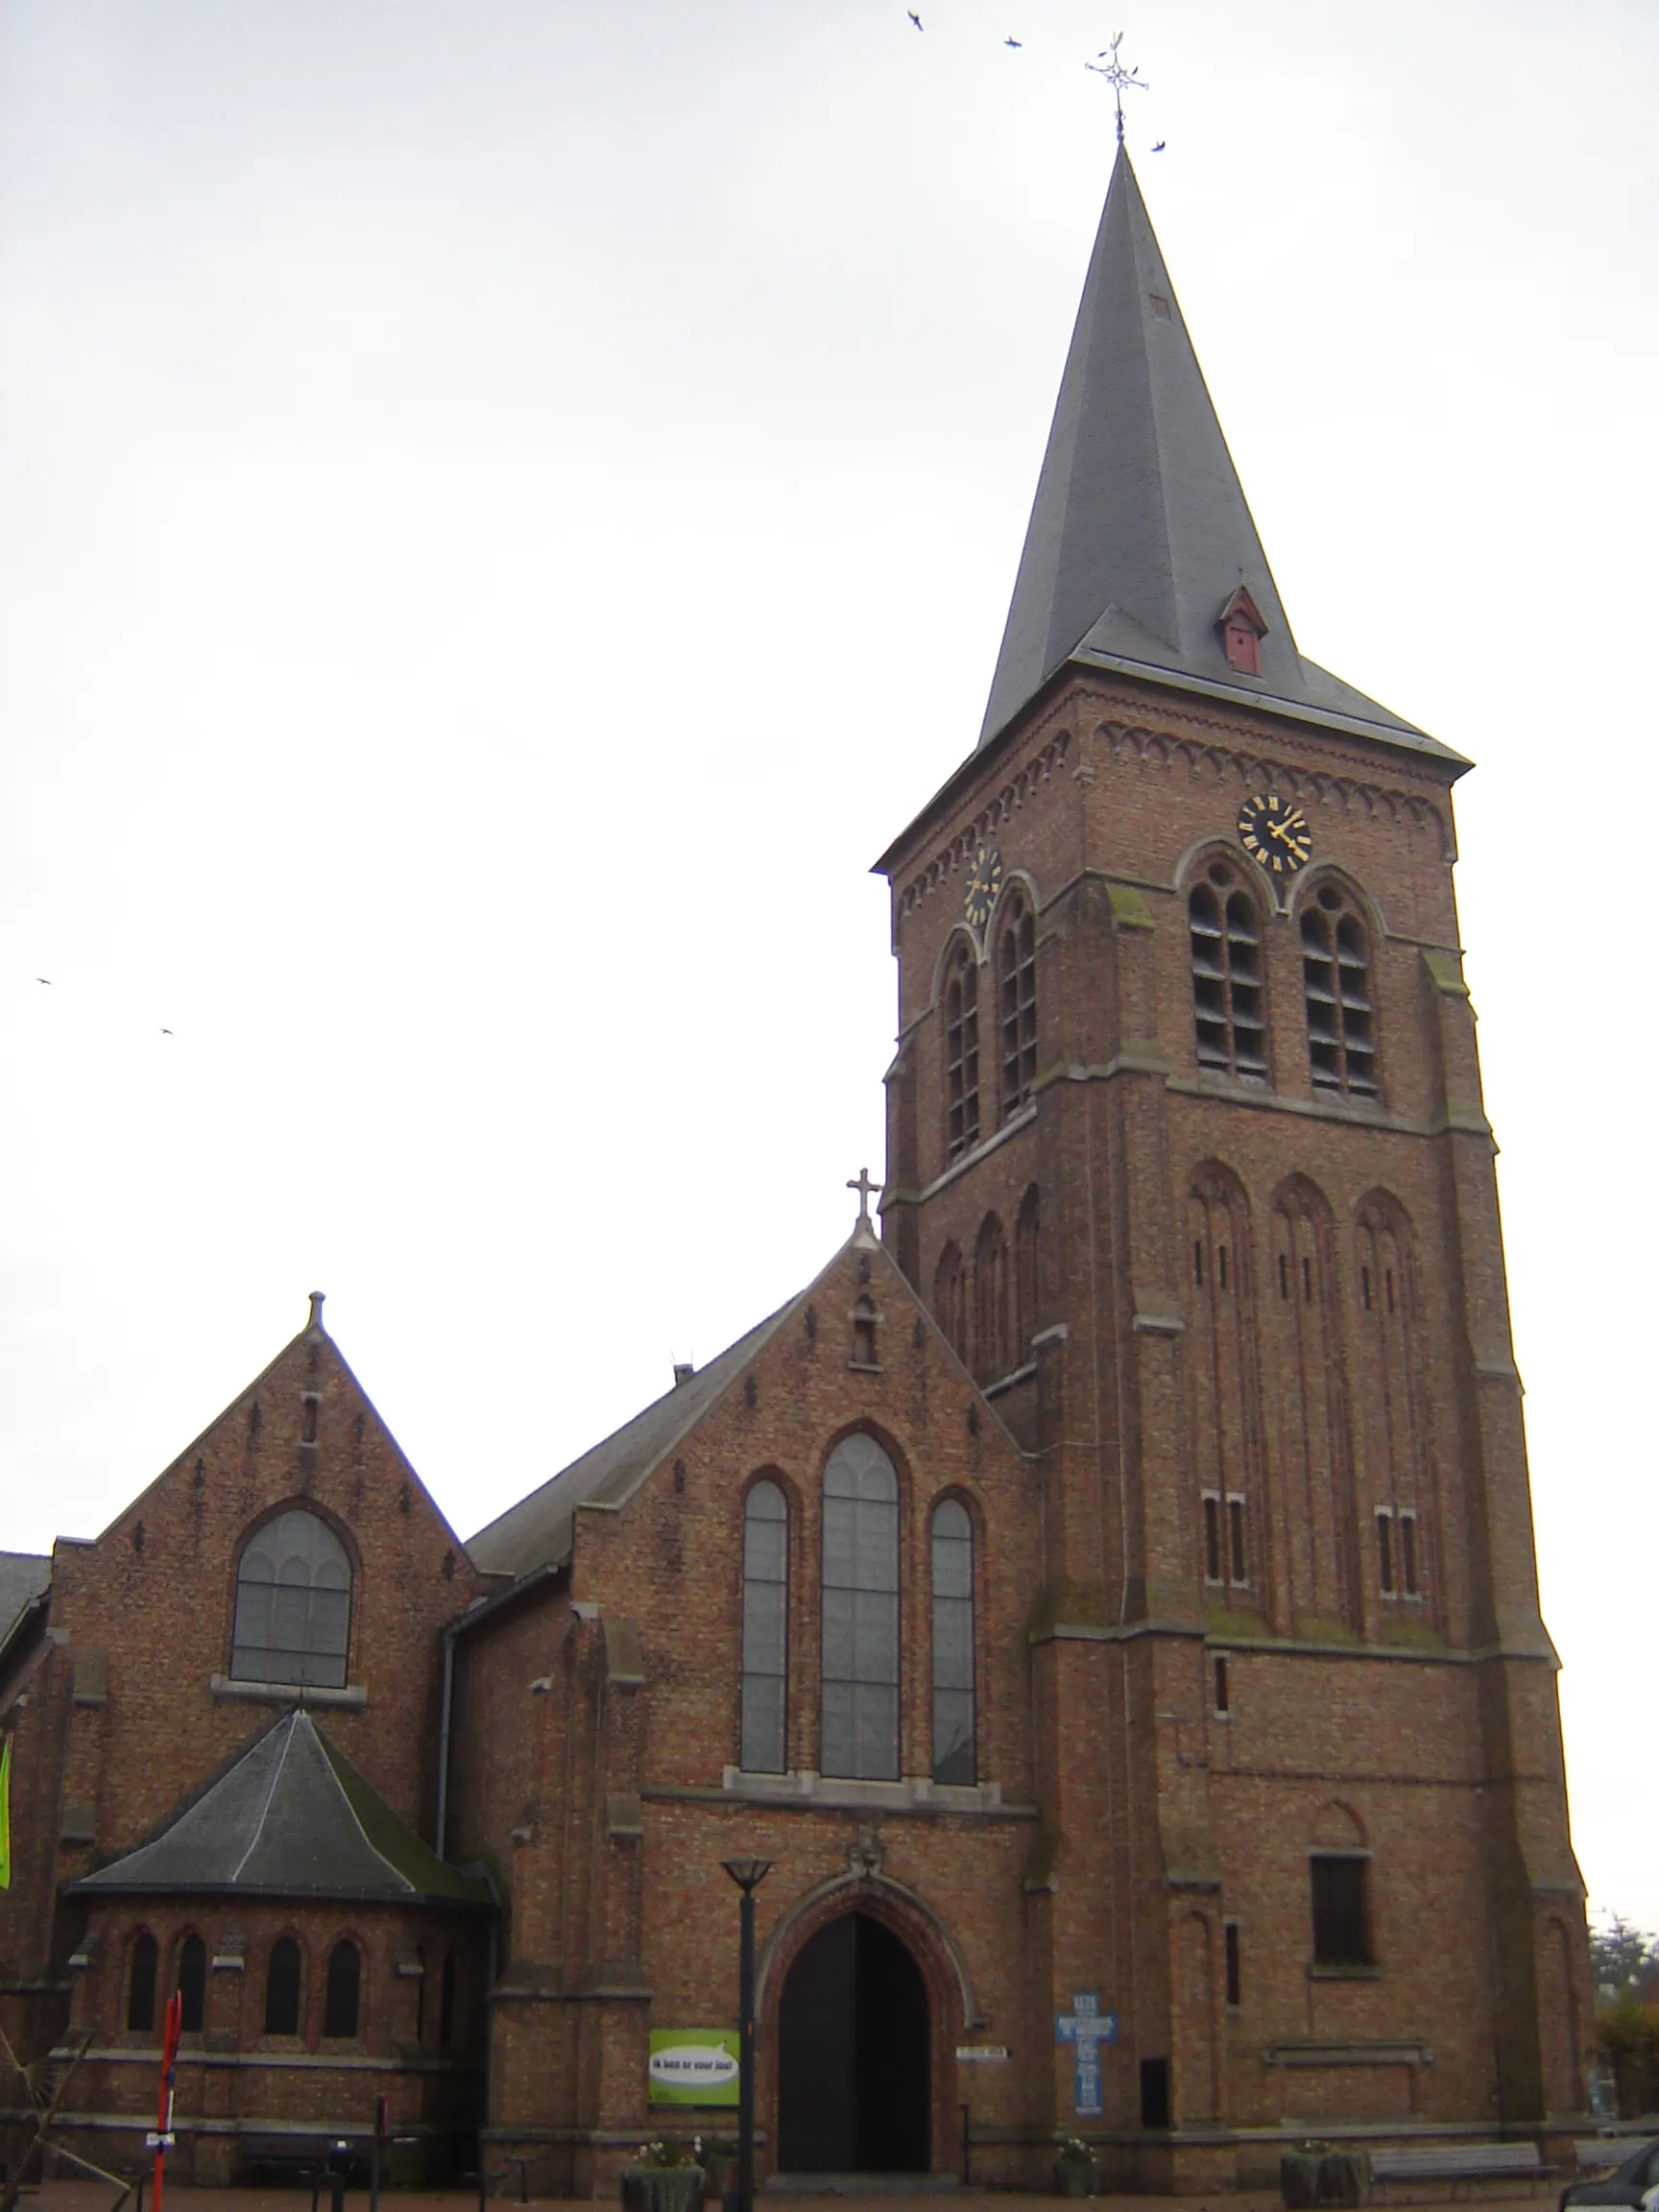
<point x="866" y="1191"/>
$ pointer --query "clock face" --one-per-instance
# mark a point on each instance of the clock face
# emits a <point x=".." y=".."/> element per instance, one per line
<point x="1274" y="832"/>
<point x="984" y="882"/>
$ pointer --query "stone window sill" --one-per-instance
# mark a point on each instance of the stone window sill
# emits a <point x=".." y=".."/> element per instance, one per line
<point x="354" y="1694"/>
<point x="1345" y="1973"/>
<point x="804" y="1787"/>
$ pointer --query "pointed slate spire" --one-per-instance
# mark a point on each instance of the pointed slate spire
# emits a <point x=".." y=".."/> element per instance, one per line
<point x="1140" y="535"/>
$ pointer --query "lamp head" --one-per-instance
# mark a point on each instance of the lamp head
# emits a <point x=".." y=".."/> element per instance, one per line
<point x="746" y="1873"/>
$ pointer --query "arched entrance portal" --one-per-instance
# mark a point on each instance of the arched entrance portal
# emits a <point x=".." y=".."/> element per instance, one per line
<point x="854" y="2058"/>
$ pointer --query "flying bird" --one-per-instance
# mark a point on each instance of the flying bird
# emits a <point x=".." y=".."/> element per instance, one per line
<point x="914" y="18"/>
<point x="1159" y="147"/>
<point x="1013" y="41"/>
<point x="166" y="1032"/>
<point x="46" y="979"/>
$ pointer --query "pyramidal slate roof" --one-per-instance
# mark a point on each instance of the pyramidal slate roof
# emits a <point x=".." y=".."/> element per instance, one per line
<point x="290" y="1817"/>
<point x="1139" y="533"/>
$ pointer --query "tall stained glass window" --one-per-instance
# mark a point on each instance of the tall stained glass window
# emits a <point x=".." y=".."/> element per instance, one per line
<point x="861" y="1712"/>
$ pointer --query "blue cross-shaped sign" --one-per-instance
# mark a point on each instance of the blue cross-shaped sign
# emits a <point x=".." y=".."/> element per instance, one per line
<point x="1086" y="2028"/>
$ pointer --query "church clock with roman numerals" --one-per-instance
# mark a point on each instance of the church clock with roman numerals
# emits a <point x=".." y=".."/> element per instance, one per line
<point x="1275" y="833"/>
<point x="984" y="882"/>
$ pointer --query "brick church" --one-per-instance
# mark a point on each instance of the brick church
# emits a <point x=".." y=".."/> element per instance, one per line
<point x="1105" y="1593"/>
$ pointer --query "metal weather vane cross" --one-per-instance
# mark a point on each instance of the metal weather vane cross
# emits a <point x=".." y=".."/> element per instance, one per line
<point x="1107" y="63"/>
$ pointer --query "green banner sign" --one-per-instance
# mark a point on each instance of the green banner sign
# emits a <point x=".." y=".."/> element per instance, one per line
<point x="693" y="2066"/>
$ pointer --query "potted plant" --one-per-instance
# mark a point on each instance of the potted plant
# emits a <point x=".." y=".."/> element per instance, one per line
<point x="1317" y="2173"/>
<point x="1077" y="2171"/>
<point x="666" y="2176"/>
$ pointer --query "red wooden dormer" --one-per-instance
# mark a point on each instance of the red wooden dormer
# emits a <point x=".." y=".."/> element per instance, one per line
<point x="1242" y="630"/>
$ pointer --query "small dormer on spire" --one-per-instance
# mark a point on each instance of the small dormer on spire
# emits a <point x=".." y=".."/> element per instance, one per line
<point x="1243" y="629"/>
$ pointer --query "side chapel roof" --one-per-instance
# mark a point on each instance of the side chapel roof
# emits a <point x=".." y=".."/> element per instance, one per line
<point x="290" y="1817"/>
<point x="1139" y="533"/>
<point x="24" y="1576"/>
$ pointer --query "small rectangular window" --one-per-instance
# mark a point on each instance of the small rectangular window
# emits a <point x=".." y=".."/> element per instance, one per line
<point x="1386" y="1553"/>
<point x="1236" y="1539"/>
<point x="1221" y="1686"/>
<point x="1307" y="1282"/>
<point x="1341" y="1936"/>
<point x="1409" y="1553"/>
<point x="1235" y="1978"/>
<point x="1365" y="1288"/>
<point x="1283" y="1276"/>
<point x="1154" y="2092"/>
<point x="1198" y="1261"/>
<point x="309" y="1418"/>
<point x="1213" y="1539"/>
<point x="1221" y="1266"/>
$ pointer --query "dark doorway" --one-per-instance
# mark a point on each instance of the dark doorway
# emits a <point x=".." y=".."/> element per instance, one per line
<point x="854" y="2062"/>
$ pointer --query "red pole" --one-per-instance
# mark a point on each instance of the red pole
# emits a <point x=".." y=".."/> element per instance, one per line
<point x="172" y="2020"/>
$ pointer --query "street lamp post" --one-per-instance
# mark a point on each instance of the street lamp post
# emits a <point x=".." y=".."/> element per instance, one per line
<point x="748" y="1874"/>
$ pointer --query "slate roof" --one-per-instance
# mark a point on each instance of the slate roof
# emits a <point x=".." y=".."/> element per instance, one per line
<point x="24" y="1576"/>
<point x="537" y="1532"/>
<point x="1139" y="533"/>
<point x="290" y="1817"/>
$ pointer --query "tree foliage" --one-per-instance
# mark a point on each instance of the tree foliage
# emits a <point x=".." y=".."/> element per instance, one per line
<point x="1621" y="1957"/>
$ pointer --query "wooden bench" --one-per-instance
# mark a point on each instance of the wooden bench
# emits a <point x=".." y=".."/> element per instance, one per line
<point x="1458" y="2163"/>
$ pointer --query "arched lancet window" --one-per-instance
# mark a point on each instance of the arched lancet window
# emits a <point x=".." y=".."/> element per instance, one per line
<point x="1016" y="966"/>
<point x="861" y="1711"/>
<point x="765" y="1629"/>
<point x="1025" y="1236"/>
<point x="953" y="1730"/>
<point x="141" y="1984"/>
<point x="1337" y="984"/>
<point x="950" y="1301"/>
<point x="192" y="1985"/>
<point x="340" y="1999"/>
<point x="962" y="1054"/>
<point x="293" y="1604"/>
<point x="1227" y="1001"/>
<point x="283" y="1988"/>
<point x="991" y="1302"/>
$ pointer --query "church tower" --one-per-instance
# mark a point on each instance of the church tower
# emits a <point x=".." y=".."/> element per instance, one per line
<point x="1187" y="1156"/>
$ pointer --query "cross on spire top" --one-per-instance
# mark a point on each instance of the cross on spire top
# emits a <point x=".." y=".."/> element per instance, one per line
<point x="866" y="1191"/>
<point x="1107" y="63"/>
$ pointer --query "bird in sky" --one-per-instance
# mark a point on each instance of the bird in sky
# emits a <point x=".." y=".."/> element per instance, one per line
<point x="46" y="979"/>
<point x="166" y="1032"/>
<point x="914" y="18"/>
<point x="1159" y="147"/>
<point x="1013" y="41"/>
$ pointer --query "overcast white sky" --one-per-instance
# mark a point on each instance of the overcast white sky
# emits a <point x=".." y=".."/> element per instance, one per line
<point x="506" y="508"/>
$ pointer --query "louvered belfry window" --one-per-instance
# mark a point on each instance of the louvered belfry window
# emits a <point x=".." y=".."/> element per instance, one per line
<point x="1017" y="958"/>
<point x="1337" y="983"/>
<point x="962" y="1055"/>
<point x="1227" y="1001"/>
<point x="860" y="1686"/>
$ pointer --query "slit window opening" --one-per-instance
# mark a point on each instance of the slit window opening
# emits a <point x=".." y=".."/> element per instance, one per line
<point x="1409" y="1553"/>
<point x="1235" y="1977"/>
<point x="1307" y="1282"/>
<point x="1283" y="1276"/>
<point x="1386" y="1553"/>
<point x="1221" y="1686"/>
<point x="1235" y="1537"/>
<point x="1213" y="1539"/>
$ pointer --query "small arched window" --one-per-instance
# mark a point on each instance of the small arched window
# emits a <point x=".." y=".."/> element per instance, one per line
<point x="953" y="1730"/>
<point x="1227" y="1003"/>
<point x="864" y="1318"/>
<point x="1017" y="963"/>
<point x="860" y="1708"/>
<point x="1025" y="1234"/>
<point x="282" y="1987"/>
<point x="192" y="1985"/>
<point x="765" y="1628"/>
<point x="962" y="1055"/>
<point x="293" y="1604"/>
<point x="950" y="1301"/>
<point x="141" y="1984"/>
<point x="1337" y="984"/>
<point x="991" y="1302"/>
<point x="340" y="1998"/>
